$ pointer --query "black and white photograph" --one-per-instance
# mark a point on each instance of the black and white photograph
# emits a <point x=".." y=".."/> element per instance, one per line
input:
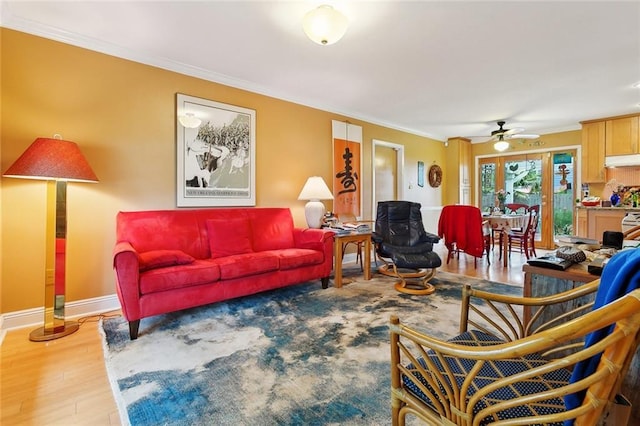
<point x="215" y="153"/>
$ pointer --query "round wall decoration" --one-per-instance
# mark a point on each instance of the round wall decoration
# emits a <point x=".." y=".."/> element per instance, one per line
<point x="435" y="176"/>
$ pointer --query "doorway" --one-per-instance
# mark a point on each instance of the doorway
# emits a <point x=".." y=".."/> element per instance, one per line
<point x="388" y="169"/>
<point x="547" y="179"/>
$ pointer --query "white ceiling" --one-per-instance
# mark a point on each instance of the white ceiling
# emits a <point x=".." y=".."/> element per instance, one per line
<point x="434" y="68"/>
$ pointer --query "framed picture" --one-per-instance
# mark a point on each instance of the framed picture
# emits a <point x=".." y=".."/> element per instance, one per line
<point x="420" y="173"/>
<point x="216" y="146"/>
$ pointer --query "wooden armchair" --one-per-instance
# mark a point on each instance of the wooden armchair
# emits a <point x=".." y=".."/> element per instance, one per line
<point x="503" y="369"/>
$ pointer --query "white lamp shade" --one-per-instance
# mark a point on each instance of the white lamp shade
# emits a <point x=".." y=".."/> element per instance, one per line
<point x="324" y="25"/>
<point x="314" y="190"/>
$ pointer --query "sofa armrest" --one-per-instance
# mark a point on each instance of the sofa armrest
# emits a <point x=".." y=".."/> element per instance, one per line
<point x="314" y="239"/>
<point x="126" y="267"/>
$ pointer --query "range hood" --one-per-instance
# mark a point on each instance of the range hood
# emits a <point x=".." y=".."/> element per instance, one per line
<point x="622" y="160"/>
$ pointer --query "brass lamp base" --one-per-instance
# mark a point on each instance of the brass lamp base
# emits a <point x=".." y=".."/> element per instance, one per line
<point x="42" y="335"/>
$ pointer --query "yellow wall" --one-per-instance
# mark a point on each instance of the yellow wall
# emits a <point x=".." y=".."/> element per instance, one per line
<point x="122" y="115"/>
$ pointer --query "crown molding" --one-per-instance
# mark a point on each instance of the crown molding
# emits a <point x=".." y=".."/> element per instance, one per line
<point x="11" y="21"/>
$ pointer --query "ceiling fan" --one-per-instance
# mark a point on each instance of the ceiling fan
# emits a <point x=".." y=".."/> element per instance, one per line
<point x="502" y="135"/>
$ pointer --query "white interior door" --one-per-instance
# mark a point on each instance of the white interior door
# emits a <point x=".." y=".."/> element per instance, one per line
<point x="388" y="168"/>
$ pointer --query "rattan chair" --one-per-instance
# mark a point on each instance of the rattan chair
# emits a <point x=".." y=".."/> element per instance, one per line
<point x="632" y="233"/>
<point x="501" y="368"/>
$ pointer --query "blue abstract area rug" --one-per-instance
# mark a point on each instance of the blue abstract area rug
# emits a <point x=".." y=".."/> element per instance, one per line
<point x="301" y="355"/>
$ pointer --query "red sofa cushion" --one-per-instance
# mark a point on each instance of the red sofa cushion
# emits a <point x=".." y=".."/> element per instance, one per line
<point x="244" y="265"/>
<point x="295" y="258"/>
<point x="175" y="277"/>
<point x="272" y="229"/>
<point x="229" y="236"/>
<point x="164" y="230"/>
<point x="161" y="258"/>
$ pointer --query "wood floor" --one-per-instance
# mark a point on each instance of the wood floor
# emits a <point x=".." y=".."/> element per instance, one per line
<point x="61" y="382"/>
<point x="64" y="382"/>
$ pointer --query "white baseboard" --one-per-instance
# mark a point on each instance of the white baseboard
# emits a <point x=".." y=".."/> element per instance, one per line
<point x="73" y="310"/>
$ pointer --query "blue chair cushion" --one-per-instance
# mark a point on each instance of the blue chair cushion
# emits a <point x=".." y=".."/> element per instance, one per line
<point x="491" y="371"/>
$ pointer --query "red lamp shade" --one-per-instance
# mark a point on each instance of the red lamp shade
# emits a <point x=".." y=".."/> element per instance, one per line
<point x="52" y="159"/>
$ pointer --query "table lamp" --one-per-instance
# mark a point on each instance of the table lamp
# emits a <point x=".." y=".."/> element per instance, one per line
<point x="315" y="190"/>
<point x="57" y="161"/>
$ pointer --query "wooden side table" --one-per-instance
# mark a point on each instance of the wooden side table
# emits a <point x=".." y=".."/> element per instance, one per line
<point x="339" y="240"/>
<point x="540" y="282"/>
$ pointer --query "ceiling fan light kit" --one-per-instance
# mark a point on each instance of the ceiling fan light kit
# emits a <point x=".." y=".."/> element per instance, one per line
<point x="324" y="25"/>
<point x="501" y="145"/>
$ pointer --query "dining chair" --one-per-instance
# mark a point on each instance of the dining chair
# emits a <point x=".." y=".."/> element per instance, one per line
<point x="509" y="208"/>
<point x="464" y="230"/>
<point x="525" y="238"/>
<point x="351" y="218"/>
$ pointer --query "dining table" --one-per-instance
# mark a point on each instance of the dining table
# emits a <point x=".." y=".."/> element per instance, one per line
<point x="505" y="223"/>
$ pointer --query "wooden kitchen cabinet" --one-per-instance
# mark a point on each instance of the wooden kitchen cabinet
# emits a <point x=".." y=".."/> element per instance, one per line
<point x="459" y="158"/>
<point x="600" y="220"/>
<point x="593" y="149"/>
<point x="581" y="222"/>
<point x="621" y="136"/>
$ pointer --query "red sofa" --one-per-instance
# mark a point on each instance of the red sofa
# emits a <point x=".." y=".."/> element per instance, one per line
<point x="170" y="260"/>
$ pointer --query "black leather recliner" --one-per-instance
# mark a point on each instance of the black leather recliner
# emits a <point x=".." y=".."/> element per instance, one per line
<point x="402" y="244"/>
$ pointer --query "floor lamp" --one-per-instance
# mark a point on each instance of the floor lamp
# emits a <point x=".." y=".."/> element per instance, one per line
<point x="58" y="162"/>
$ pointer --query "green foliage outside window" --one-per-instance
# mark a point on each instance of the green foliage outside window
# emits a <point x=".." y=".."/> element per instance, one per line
<point x="562" y="222"/>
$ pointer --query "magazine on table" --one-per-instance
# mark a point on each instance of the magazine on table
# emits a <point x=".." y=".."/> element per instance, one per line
<point x="358" y="227"/>
<point x="349" y="228"/>
<point x="550" y="261"/>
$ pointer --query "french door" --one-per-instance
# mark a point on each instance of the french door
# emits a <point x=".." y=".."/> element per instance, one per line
<point x="547" y="179"/>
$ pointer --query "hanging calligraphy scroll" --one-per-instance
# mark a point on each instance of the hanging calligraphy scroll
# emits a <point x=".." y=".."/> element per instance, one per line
<point x="347" y="168"/>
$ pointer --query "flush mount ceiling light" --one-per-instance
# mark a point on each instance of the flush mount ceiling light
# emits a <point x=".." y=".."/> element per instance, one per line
<point x="189" y="120"/>
<point x="324" y="25"/>
<point x="501" y="145"/>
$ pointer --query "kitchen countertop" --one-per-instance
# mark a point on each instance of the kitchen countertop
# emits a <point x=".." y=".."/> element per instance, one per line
<point x="623" y="208"/>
